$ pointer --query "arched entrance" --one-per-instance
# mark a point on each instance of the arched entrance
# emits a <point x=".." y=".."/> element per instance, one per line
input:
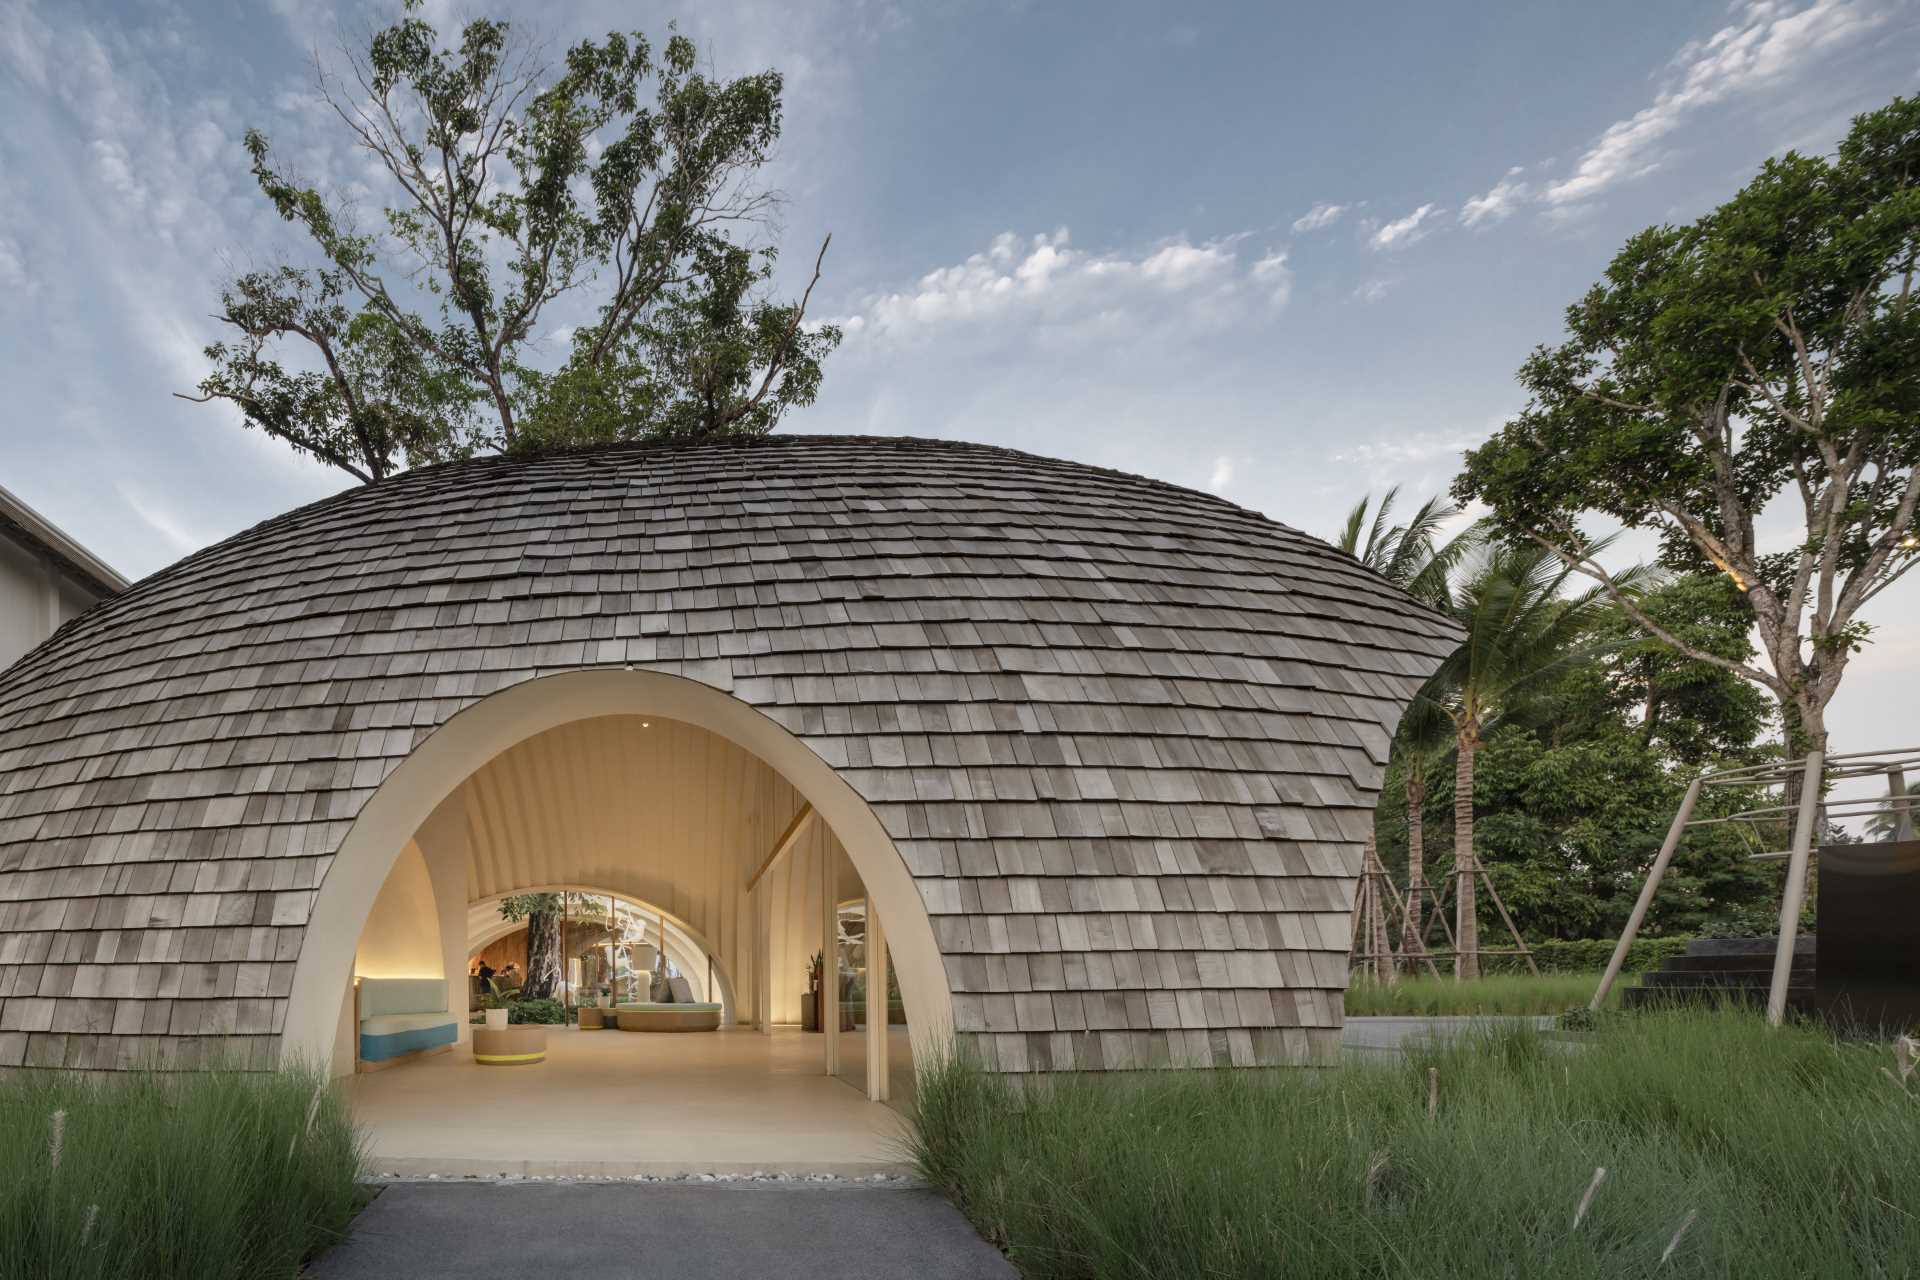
<point x="410" y="812"/>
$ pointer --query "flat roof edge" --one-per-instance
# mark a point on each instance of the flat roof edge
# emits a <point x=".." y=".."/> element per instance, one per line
<point x="49" y="538"/>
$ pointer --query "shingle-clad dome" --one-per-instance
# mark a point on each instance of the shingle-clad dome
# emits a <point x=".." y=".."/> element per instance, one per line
<point x="1125" y="736"/>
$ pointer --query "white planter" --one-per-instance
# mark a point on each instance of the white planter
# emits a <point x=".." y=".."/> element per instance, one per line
<point x="496" y="1018"/>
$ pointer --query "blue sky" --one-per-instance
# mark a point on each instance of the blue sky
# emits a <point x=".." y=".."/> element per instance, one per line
<point x="1286" y="253"/>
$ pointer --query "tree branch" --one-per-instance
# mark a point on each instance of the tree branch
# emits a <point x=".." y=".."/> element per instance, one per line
<point x="1593" y="569"/>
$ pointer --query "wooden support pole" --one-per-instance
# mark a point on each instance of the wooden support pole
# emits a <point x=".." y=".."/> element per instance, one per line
<point x="1526" y="952"/>
<point x="877" y="1042"/>
<point x="762" y="959"/>
<point x="1413" y="944"/>
<point x="1796" y="890"/>
<point x="1654" y="875"/>
<point x="1902" y="804"/>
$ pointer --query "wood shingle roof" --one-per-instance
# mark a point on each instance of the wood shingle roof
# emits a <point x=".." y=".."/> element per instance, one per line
<point x="1126" y="736"/>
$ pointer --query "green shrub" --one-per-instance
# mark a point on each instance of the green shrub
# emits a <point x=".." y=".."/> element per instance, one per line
<point x="1503" y="995"/>
<point x="549" y="1012"/>
<point x="1795" y="1156"/>
<point x="204" y="1175"/>
<point x="1588" y="955"/>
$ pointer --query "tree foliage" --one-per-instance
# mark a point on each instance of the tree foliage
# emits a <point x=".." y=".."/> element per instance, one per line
<point x="1765" y="355"/>
<point x="510" y="185"/>
<point x="1573" y="792"/>
<point x="1412" y="556"/>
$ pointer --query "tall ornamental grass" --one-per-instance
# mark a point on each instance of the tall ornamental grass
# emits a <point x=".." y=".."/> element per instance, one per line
<point x="1503" y="994"/>
<point x="196" y="1174"/>
<point x="1728" y="1149"/>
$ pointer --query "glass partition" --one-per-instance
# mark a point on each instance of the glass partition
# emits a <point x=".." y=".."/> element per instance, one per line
<point x="619" y="951"/>
<point x="857" y="971"/>
<point x="852" y="950"/>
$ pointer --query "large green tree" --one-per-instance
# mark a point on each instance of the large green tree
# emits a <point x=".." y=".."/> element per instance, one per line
<point x="523" y="206"/>
<point x="1758" y="366"/>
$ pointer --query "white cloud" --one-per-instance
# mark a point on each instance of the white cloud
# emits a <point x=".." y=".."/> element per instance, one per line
<point x="1274" y="275"/>
<point x="1402" y="232"/>
<point x="1766" y="42"/>
<point x="162" y="520"/>
<point x="1373" y="290"/>
<point x="1497" y="204"/>
<point x="13" y="268"/>
<point x="1179" y="266"/>
<point x="1047" y="281"/>
<point x="1221" y="476"/>
<point x="26" y="43"/>
<point x="1321" y="215"/>
<point x="1407" y="450"/>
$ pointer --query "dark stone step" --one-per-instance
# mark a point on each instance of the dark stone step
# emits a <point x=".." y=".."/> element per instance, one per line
<point x="1741" y="962"/>
<point x="1803" y="944"/>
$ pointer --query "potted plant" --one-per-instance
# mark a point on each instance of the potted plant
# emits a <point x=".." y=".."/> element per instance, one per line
<point x="495" y="1004"/>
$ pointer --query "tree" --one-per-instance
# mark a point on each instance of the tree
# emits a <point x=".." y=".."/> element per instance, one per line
<point x="1763" y="357"/>
<point x="1412" y="557"/>
<point x="543" y="913"/>
<point x="1886" y="821"/>
<point x="1697" y="714"/>
<point x="1520" y="628"/>
<point x="509" y="188"/>
<point x="1423" y="737"/>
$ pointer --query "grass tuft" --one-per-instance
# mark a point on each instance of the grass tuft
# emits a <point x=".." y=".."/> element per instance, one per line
<point x="207" y="1175"/>
<point x="1728" y="1149"/>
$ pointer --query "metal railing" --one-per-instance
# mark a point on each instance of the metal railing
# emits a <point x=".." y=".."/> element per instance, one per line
<point x="1803" y="809"/>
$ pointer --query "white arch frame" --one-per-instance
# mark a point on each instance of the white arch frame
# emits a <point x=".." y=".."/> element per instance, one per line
<point x="722" y="978"/>
<point x="454" y="751"/>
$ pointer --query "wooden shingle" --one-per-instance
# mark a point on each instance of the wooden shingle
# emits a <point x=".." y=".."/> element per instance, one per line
<point x="1124" y="735"/>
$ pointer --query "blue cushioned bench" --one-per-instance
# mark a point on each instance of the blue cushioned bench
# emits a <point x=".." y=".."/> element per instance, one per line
<point x="401" y="1019"/>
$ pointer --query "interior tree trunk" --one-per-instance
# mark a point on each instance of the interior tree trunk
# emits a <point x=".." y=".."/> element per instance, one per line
<point x="543" y="956"/>
<point x="1466" y="927"/>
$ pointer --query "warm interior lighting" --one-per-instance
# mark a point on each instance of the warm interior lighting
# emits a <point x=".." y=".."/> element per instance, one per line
<point x="1910" y="542"/>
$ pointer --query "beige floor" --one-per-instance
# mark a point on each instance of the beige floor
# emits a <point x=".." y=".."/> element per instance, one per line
<point x="615" y="1103"/>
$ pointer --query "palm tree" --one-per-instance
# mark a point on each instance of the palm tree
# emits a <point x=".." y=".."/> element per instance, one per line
<point x="1425" y="734"/>
<point x="1520" y="627"/>
<point x="1412" y="557"/>
<point x="1885" y="824"/>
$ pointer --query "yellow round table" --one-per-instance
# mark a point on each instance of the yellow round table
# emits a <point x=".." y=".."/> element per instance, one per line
<point x="520" y="1046"/>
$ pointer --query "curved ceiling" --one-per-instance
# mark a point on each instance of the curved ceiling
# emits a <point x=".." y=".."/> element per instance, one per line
<point x="656" y="811"/>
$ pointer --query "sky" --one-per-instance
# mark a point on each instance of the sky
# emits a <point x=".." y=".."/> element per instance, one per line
<point x="1288" y="254"/>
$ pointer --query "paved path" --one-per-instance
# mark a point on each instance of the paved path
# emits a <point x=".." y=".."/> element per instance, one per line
<point x="1391" y="1035"/>
<point x="675" y="1231"/>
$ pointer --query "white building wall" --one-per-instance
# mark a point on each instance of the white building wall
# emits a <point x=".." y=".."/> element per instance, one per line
<point x="36" y="596"/>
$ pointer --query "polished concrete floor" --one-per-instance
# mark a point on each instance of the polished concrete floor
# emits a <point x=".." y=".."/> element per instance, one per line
<point x="612" y="1103"/>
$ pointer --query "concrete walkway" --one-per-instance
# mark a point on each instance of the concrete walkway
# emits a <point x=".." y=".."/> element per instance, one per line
<point x="1391" y="1036"/>
<point x="502" y="1231"/>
